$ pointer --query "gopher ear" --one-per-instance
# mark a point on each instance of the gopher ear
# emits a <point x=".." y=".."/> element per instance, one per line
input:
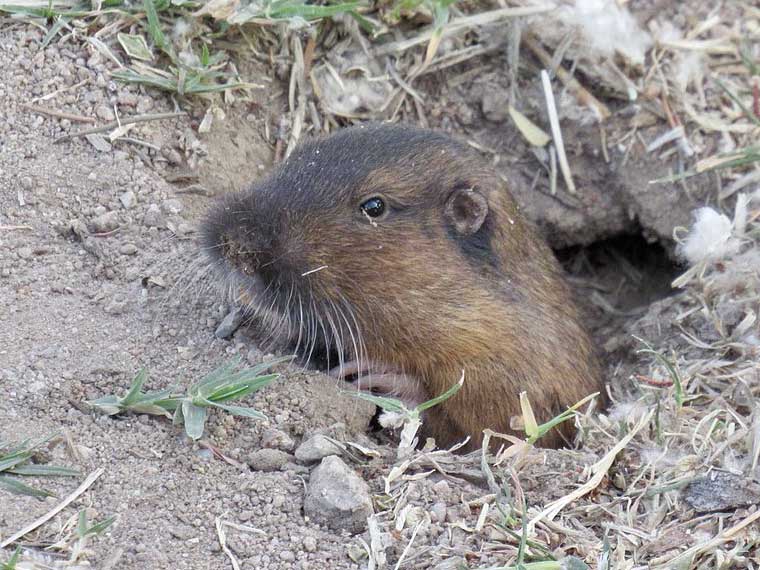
<point x="466" y="210"/>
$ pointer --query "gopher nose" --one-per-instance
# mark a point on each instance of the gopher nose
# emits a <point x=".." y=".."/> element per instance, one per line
<point x="243" y="256"/>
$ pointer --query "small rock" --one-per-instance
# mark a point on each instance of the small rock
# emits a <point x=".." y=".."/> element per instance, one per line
<point x="268" y="459"/>
<point x="185" y="229"/>
<point x="277" y="439"/>
<point x="230" y="324"/>
<point x="172" y="206"/>
<point x="144" y="105"/>
<point x="442" y="489"/>
<point x="495" y="105"/>
<point x="117" y="306"/>
<point x="310" y="544"/>
<point x="98" y="142"/>
<point x="182" y="532"/>
<point x="25" y="252"/>
<point x="27" y="182"/>
<point x="153" y="217"/>
<point x="172" y="155"/>
<point x="128" y="249"/>
<point x="721" y="491"/>
<point x="287" y="556"/>
<point x="105" y="223"/>
<point x="338" y="497"/>
<point x="128" y="199"/>
<point x="105" y="112"/>
<point x="315" y="449"/>
<point x="454" y="563"/>
<point x="127" y="99"/>
<point x="438" y="512"/>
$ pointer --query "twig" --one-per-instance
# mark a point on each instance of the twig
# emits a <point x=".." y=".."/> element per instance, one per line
<point x="61" y="90"/>
<point x="116" y="124"/>
<point x="556" y="133"/>
<point x="408" y="546"/>
<point x="582" y="94"/>
<point x="57" y="114"/>
<point x="11" y="228"/>
<point x="50" y="514"/>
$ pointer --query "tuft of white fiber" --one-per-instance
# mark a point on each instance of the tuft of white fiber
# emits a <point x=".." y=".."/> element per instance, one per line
<point x="711" y="238"/>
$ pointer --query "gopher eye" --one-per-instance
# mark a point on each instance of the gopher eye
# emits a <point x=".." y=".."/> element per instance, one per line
<point x="374" y="207"/>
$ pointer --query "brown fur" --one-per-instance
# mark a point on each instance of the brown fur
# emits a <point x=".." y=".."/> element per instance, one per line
<point x="423" y="304"/>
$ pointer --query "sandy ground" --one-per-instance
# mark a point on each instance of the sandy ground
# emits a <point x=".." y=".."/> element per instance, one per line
<point x="80" y="318"/>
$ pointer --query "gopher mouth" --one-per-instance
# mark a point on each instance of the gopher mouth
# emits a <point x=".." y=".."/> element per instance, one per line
<point x="382" y="380"/>
<point x="319" y="351"/>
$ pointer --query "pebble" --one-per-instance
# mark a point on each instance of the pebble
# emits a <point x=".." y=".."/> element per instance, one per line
<point x="128" y="199"/>
<point x="453" y="563"/>
<point x="315" y="449"/>
<point x="310" y="544"/>
<point x="495" y="105"/>
<point x="277" y="439"/>
<point x="117" y="306"/>
<point x="287" y="556"/>
<point x="268" y="459"/>
<point x="154" y="218"/>
<point x="172" y="206"/>
<point x="438" y="512"/>
<point x="185" y="229"/>
<point x="144" y="105"/>
<point x="105" y="223"/>
<point x="98" y="142"/>
<point x="128" y="249"/>
<point x="722" y="492"/>
<point x="230" y="324"/>
<point x="26" y="182"/>
<point x="182" y="532"/>
<point x="337" y="497"/>
<point x="25" y="252"/>
<point x="105" y="112"/>
<point x="128" y="99"/>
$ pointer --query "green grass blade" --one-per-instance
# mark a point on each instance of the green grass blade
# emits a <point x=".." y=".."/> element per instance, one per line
<point x="243" y="412"/>
<point x="10" y="460"/>
<point x="97" y="528"/>
<point x="44" y="471"/>
<point x="387" y="404"/>
<point x="109" y="405"/>
<point x="154" y="26"/>
<point x="242" y="389"/>
<point x="13" y="560"/>
<point x="54" y="29"/>
<point x="136" y="388"/>
<point x="19" y="488"/>
<point x="443" y="397"/>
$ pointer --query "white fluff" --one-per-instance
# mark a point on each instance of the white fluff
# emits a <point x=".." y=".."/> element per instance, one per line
<point x="711" y="238"/>
<point x="181" y="28"/>
<point x="666" y="32"/>
<point x="608" y="28"/>
<point x="628" y="411"/>
<point x="689" y="69"/>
